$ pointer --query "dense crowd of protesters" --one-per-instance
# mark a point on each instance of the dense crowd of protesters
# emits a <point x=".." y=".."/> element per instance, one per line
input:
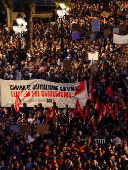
<point x="68" y="145"/>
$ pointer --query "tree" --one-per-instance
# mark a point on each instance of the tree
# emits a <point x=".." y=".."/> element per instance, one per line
<point x="8" y="4"/>
<point x="29" y="9"/>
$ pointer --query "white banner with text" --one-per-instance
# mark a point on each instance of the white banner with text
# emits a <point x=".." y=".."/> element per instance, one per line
<point x="33" y="92"/>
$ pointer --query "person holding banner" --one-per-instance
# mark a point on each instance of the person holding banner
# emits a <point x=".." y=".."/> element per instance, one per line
<point x="90" y="132"/>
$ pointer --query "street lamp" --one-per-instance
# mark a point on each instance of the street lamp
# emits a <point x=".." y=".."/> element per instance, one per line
<point x="62" y="11"/>
<point x="19" y="27"/>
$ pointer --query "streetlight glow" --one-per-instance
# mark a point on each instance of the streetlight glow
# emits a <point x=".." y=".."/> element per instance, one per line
<point x="67" y="9"/>
<point x="62" y="11"/>
<point x="15" y="26"/>
<point x="62" y="6"/>
<point x="59" y="12"/>
<point x="19" y="26"/>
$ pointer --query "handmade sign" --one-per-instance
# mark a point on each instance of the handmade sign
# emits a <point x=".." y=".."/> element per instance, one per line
<point x="105" y="14"/>
<point x="93" y="56"/>
<point x="43" y="129"/>
<point x="115" y="30"/>
<point x="75" y="36"/>
<point x="67" y="65"/>
<point x="122" y="13"/>
<point x="107" y="31"/>
<point x="14" y="128"/>
<point x="25" y="129"/>
<point x="95" y="25"/>
<point x="120" y="39"/>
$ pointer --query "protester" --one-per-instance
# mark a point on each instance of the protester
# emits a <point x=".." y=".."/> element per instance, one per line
<point x="97" y="140"/>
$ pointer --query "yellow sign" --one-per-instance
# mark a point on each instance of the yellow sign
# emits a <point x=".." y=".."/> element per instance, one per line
<point x="105" y="14"/>
<point x="122" y="13"/>
<point x="46" y="15"/>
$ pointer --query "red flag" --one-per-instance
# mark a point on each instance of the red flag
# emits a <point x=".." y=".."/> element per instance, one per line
<point x="109" y="90"/>
<point x="103" y="110"/>
<point x="110" y="110"/>
<point x="109" y="106"/>
<point x="100" y="127"/>
<point x="112" y="115"/>
<point x="90" y="96"/>
<point x="81" y="88"/>
<point x="17" y="103"/>
<point x="50" y="113"/>
<point x="116" y="109"/>
<point x="100" y="115"/>
<point x="71" y="114"/>
<point x="97" y="106"/>
<point x="126" y="119"/>
<point x="78" y="109"/>
<point x="107" y="111"/>
<point x="86" y="113"/>
<point x="53" y="112"/>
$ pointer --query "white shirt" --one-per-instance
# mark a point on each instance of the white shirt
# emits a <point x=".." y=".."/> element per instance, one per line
<point x="30" y="139"/>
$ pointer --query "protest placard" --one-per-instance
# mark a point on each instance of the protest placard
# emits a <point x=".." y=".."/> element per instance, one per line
<point x="25" y="129"/>
<point x="43" y="129"/>
<point x="93" y="56"/>
<point x="75" y="35"/>
<point x="120" y="39"/>
<point x="105" y="14"/>
<point x="95" y="25"/>
<point x="107" y="31"/>
<point x="116" y="30"/>
<point x="122" y="13"/>
<point x="67" y="65"/>
<point x="14" y="128"/>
